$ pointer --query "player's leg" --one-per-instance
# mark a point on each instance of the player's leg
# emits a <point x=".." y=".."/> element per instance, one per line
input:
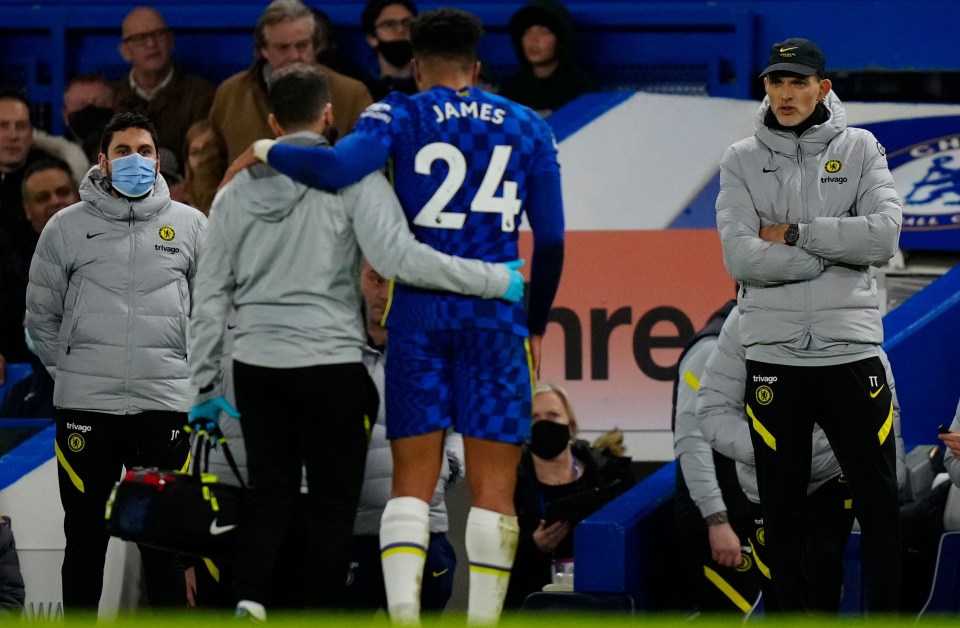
<point x="418" y="404"/>
<point x="492" y="528"/>
<point x="405" y="524"/>
<point x="494" y="385"/>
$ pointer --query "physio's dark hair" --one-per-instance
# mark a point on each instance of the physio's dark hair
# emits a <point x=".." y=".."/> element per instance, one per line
<point x="446" y="34"/>
<point x="124" y="121"/>
<point x="297" y="95"/>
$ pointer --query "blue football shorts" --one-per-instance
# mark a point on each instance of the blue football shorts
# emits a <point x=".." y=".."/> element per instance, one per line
<point x="480" y="381"/>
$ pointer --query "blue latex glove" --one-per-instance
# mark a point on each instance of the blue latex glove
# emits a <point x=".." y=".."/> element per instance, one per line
<point x="515" y="290"/>
<point x="204" y="415"/>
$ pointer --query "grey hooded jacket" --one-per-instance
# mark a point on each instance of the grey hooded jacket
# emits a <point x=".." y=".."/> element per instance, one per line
<point x="816" y="302"/>
<point x="287" y="258"/>
<point x="108" y="302"/>
<point x="723" y="424"/>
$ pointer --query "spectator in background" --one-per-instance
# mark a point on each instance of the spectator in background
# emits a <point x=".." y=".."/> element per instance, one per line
<point x="195" y="142"/>
<point x="800" y="240"/>
<point x="330" y="55"/>
<point x="365" y="587"/>
<point x="556" y="467"/>
<point x="286" y="33"/>
<point x="12" y="593"/>
<point x="386" y="24"/>
<point x="107" y="305"/>
<point x="544" y="38"/>
<point x="17" y="153"/>
<point x="88" y="104"/>
<point x="172" y="98"/>
<point x="47" y="187"/>
<point x="172" y="174"/>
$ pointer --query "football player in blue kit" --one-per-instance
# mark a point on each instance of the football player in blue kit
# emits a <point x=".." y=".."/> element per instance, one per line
<point x="467" y="165"/>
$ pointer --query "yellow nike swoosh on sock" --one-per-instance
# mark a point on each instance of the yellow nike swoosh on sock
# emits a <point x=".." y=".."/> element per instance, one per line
<point x="437" y="574"/>
<point x="873" y="395"/>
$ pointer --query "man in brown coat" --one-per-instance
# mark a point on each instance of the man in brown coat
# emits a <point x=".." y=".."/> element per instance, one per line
<point x="286" y="33"/>
<point x="171" y="98"/>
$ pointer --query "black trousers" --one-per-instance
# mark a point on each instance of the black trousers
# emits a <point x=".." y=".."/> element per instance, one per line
<point x="92" y="448"/>
<point x="316" y="417"/>
<point x="853" y="405"/>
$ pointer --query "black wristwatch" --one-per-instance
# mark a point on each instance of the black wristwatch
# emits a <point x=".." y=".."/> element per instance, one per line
<point x="792" y="234"/>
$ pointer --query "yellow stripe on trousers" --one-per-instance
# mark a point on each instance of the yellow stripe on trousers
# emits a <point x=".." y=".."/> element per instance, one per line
<point x="66" y="467"/>
<point x="727" y="589"/>
<point x="761" y="430"/>
<point x="760" y="564"/>
<point x="887" y="426"/>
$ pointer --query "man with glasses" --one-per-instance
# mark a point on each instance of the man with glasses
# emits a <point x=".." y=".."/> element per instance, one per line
<point x="171" y="98"/>
<point x="286" y="33"/>
<point x="386" y="23"/>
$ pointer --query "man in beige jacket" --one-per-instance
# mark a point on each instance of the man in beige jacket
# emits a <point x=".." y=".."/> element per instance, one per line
<point x="286" y="33"/>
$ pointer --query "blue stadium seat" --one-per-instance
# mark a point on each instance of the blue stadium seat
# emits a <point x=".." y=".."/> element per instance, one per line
<point x="15" y="372"/>
<point x="945" y="591"/>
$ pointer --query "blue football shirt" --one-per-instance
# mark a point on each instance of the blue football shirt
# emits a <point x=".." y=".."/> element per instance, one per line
<point x="465" y="163"/>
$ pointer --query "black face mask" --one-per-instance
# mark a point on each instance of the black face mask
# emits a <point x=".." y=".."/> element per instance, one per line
<point x="397" y="53"/>
<point x="88" y="121"/>
<point x="548" y="439"/>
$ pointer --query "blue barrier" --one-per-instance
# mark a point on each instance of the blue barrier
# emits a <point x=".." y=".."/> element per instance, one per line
<point x="16" y="371"/>
<point x="29" y="455"/>
<point x="922" y="336"/>
<point x="623" y="547"/>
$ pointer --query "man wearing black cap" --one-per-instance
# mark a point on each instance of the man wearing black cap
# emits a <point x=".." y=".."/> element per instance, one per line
<point x="806" y="206"/>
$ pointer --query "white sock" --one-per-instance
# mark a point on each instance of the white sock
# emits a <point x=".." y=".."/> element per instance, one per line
<point x="404" y="536"/>
<point x="491" y="542"/>
<point x="254" y="609"/>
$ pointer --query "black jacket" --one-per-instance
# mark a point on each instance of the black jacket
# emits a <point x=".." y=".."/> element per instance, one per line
<point x="532" y="568"/>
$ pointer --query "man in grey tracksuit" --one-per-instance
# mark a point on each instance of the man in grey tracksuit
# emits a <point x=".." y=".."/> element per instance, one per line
<point x="107" y="308"/>
<point x="719" y="422"/>
<point x="287" y="258"/>
<point x="806" y="206"/>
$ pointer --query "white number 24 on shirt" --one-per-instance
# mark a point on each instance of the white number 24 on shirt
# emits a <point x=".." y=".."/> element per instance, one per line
<point x="432" y="214"/>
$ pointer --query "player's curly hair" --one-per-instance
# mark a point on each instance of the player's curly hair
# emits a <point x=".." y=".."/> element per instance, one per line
<point x="447" y="34"/>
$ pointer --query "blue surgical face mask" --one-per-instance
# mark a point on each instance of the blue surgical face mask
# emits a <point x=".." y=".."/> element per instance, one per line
<point x="27" y="339"/>
<point x="133" y="175"/>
